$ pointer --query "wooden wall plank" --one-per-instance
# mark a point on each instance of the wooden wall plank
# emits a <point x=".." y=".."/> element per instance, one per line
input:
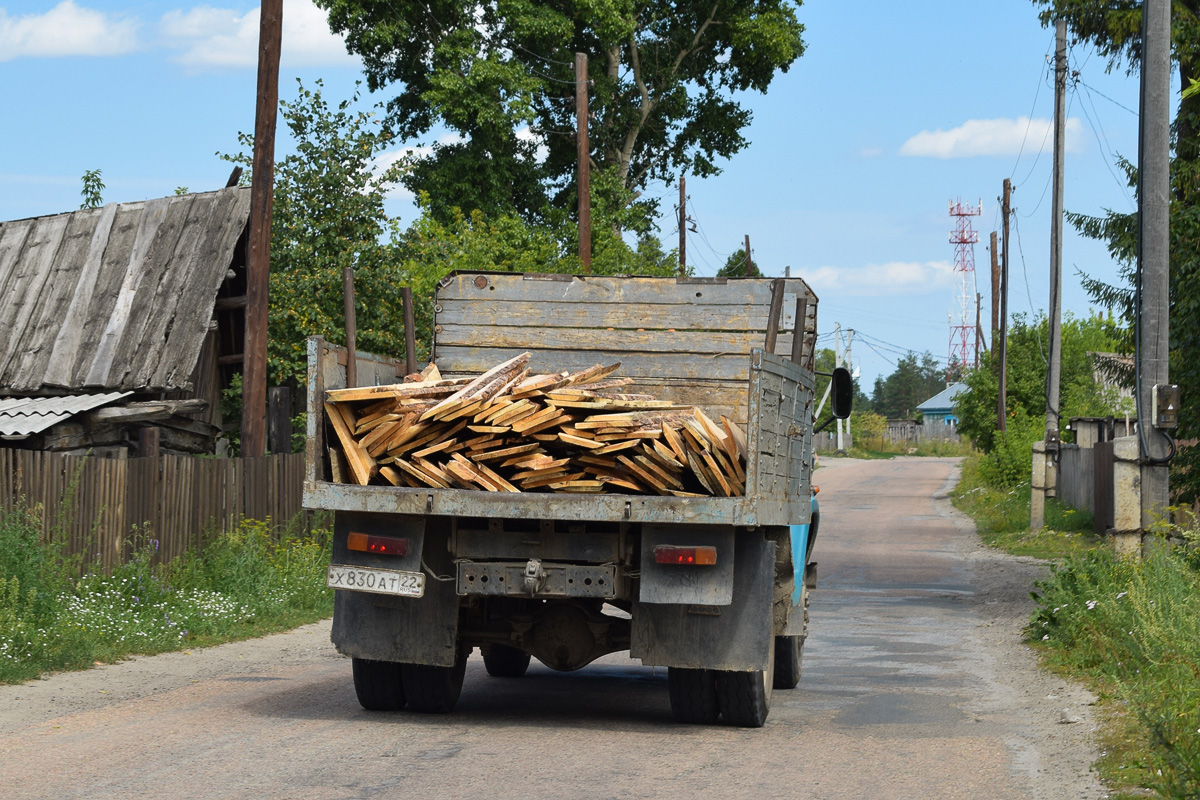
<point x="629" y="316"/>
<point x="733" y="367"/>
<point x="614" y="290"/>
<point x="540" y="339"/>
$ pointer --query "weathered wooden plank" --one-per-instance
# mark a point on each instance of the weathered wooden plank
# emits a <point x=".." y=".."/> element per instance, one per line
<point x="158" y="267"/>
<point x="231" y="208"/>
<point x="13" y="236"/>
<point x="542" y="336"/>
<point x="631" y="316"/>
<point x="27" y="371"/>
<point x="24" y="292"/>
<point x="614" y="290"/>
<point x="64" y="352"/>
<point x="731" y="367"/>
<point x="98" y="306"/>
<point x="184" y="282"/>
<point x="149" y="219"/>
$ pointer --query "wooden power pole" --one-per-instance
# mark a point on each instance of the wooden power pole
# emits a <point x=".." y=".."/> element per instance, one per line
<point x="584" y="156"/>
<point x="750" y="270"/>
<point x="995" y="253"/>
<point x="1002" y="336"/>
<point x="682" y="225"/>
<point x="258" y="267"/>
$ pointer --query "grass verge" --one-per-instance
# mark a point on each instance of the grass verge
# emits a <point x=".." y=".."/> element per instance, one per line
<point x="56" y="613"/>
<point x="1129" y="630"/>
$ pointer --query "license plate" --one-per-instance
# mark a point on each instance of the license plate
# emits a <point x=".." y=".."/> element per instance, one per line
<point x="377" y="581"/>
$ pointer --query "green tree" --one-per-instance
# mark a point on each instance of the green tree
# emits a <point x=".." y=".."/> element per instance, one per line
<point x="1114" y="28"/>
<point x="736" y="266"/>
<point x="1080" y="393"/>
<point x="915" y="380"/>
<point x="328" y="214"/>
<point x="665" y="83"/>
<point x="92" y="189"/>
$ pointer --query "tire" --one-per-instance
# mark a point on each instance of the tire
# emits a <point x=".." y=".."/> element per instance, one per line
<point x="788" y="652"/>
<point x="745" y="697"/>
<point x="503" y="661"/>
<point x="378" y="684"/>
<point x="693" y="695"/>
<point x="434" y="690"/>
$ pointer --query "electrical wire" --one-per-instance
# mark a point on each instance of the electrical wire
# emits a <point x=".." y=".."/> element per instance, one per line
<point x="1029" y="119"/>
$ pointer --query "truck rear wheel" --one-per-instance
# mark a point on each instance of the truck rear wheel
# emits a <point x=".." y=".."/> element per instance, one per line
<point x="503" y="661"/>
<point x="434" y="690"/>
<point x="788" y="652"/>
<point x="693" y="695"/>
<point x="378" y="685"/>
<point x="745" y="697"/>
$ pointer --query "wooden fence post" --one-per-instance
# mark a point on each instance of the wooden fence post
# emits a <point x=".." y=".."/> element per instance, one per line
<point x="279" y="419"/>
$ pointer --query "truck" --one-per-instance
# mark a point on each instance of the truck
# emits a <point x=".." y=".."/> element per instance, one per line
<point x="715" y="589"/>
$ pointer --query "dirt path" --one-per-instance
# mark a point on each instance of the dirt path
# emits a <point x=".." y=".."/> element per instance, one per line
<point x="916" y="685"/>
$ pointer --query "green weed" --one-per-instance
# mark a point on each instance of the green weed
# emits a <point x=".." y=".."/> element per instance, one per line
<point x="246" y="582"/>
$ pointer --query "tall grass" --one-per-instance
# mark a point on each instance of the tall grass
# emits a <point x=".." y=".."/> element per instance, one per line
<point x="1134" y="627"/>
<point x="56" y="613"/>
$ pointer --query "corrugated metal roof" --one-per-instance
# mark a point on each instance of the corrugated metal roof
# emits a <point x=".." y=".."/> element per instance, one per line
<point x="118" y="297"/>
<point x="943" y="400"/>
<point x="23" y="416"/>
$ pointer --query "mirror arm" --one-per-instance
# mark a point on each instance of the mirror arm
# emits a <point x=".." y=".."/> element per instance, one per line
<point x="823" y="425"/>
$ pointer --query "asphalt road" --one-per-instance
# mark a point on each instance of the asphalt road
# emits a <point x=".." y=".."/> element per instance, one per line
<point x="916" y="685"/>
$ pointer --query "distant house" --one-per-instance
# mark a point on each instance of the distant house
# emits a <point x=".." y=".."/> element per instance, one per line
<point x="120" y="318"/>
<point x="939" y="409"/>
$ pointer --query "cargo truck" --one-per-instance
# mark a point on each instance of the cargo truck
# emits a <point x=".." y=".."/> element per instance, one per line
<point x="715" y="589"/>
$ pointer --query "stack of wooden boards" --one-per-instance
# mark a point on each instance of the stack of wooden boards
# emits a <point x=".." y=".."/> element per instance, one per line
<point x="509" y="430"/>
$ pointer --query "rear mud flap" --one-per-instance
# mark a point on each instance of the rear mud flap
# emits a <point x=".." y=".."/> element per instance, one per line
<point x="731" y="637"/>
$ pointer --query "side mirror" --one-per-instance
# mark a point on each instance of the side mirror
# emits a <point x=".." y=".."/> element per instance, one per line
<point x="842" y="392"/>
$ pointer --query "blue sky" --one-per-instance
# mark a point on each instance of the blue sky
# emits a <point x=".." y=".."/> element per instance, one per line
<point x="894" y="110"/>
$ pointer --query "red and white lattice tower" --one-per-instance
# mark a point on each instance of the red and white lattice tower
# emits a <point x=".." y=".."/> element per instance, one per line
<point x="962" y="329"/>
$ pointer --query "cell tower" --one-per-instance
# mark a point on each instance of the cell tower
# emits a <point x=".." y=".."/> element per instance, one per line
<point x="962" y="331"/>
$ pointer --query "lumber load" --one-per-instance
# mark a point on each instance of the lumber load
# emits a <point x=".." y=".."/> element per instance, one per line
<point x="513" y="430"/>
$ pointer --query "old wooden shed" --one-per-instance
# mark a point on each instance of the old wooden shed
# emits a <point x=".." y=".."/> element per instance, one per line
<point x="120" y="318"/>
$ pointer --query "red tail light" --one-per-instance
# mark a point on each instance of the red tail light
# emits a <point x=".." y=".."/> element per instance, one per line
<point x="670" y="554"/>
<point x="383" y="545"/>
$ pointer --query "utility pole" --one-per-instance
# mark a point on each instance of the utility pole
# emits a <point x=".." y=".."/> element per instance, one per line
<point x="351" y="327"/>
<point x="850" y="366"/>
<point x="1002" y="337"/>
<point x="682" y="225"/>
<point x="1046" y="473"/>
<point x="750" y="270"/>
<point x="978" y="326"/>
<point x="1153" y="324"/>
<point x="995" y="288"/>
<point x="583" y="183"/>
<point x="837" y="362"/>
<point x="258" y="262"/>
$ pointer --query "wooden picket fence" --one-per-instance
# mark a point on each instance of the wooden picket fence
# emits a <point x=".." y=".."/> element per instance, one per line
<point x="101" y="507"/>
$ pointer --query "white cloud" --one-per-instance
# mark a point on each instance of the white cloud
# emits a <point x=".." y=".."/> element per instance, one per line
<point x="66" y="30"/>
<point x="904" y="277"/>
<point x="992" y="137"/>
<point x="543" y="151"/>
<point x="871" y="152"/>
<point x="219" y="38"/>
<point x="386" y="160"/>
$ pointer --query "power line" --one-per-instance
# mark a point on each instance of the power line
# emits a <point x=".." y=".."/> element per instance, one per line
<point x="1091" y="88"/>
<point x="1029" y="119"/>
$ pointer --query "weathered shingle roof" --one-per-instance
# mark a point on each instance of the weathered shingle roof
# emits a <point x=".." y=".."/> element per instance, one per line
<point x="117" y="297"/>
<point x="943" y="400"/>
<point x="22" y="416"/>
